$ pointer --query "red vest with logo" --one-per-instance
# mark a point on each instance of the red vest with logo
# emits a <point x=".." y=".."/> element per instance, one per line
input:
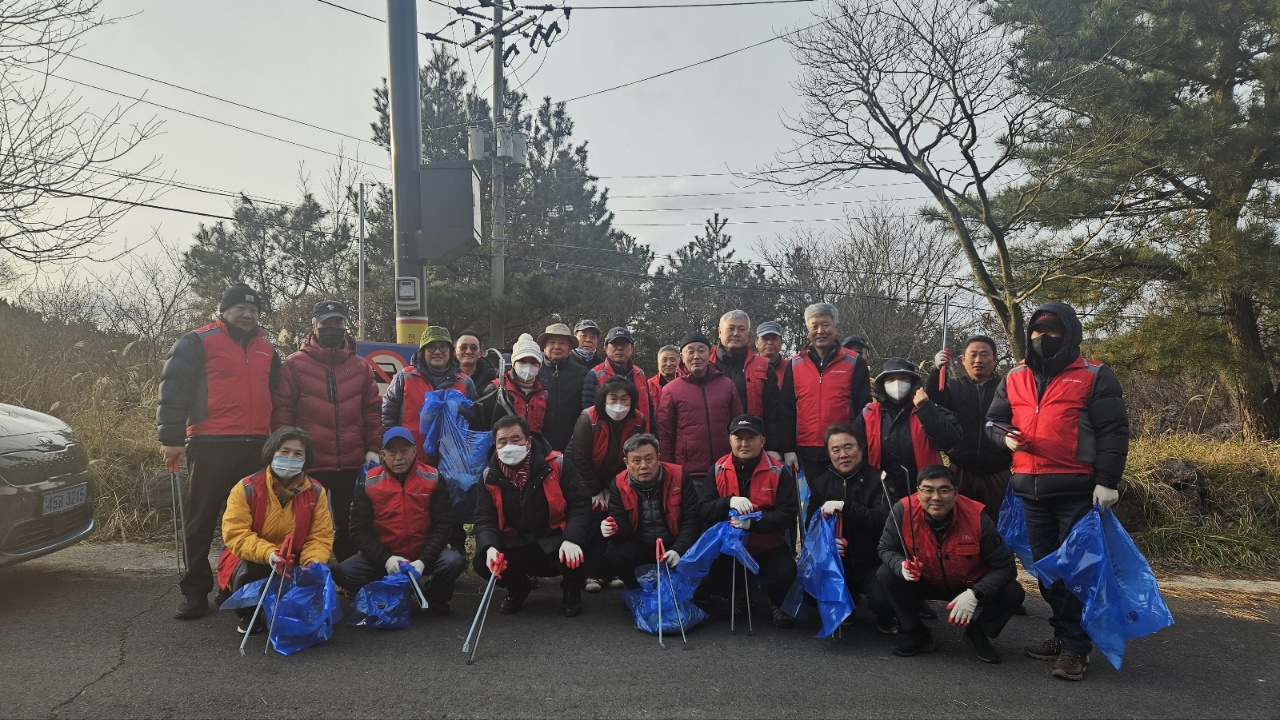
<point x="822" y="399"/>
<point x="655" y="391"/>
<point x="533" y="409"/>
<point x="633" y="425"/>
<point x="762" y="494"/>
<point x="958" y="562"/>
<point x="556" y="506"/>
<point x="672" y="496"/>
<point x="604" y="371"/>
<point x="1053" y="423"/>
<point x="402" y="512"/>
<point x="238" y="383"/>
<point x="924" y="452"/>
<point x="755" y="369"/>
<point x="416" y="387"/>
<point x="255" y="492"/>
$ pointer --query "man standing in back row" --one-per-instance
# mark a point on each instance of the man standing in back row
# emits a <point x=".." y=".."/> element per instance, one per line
<point x="756" y="382"/>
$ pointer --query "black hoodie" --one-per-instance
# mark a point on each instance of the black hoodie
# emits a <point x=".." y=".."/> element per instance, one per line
<point x="897" y="455"/>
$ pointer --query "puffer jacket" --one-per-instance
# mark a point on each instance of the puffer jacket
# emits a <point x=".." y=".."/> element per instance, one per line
<point x="693" y="422"/>
<point x="332" y="394"/>
<point x="563" y="381"/>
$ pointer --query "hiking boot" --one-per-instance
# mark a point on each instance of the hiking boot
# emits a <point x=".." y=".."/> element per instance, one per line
<point x="887" y="626"/>
<point x="593" y="585"/>
<point x="1070" y="666"/>
<point x="926" y="610"/>
<point x="1048" y="650"/>
<point x="571" y="603"/>
<point x="976" y="638"/>
<point x="914" y="643"/>
<point x="513" y="602"/>
<point x="192" y="607"/>
<point x="439" y="607"/>
<point x="258" y="628"/>
<point x="782" y="620"/>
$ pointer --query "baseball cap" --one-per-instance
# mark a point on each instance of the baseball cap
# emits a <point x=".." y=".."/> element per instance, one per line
<point x="396" y="432"/>
<point x="746" y="423"/>
<point x="326" y="309"/>
<point x="618" y="333"/>
<point x="586" y="325"/>
<point x="769" y="328"/>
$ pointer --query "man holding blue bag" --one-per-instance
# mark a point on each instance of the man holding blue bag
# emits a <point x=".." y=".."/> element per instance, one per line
<point x="1064" y="418"/>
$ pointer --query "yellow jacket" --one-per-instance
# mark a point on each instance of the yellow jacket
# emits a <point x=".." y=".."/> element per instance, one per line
<point x="244" y="543"/>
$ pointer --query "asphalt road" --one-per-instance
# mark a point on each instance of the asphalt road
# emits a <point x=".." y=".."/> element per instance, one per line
<point x="88" y="633"/>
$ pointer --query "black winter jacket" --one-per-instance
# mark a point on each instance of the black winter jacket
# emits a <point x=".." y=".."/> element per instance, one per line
<point x="898" y="459"/>
<point x="786" y="504"/>
<point x="969" y="400"/>
<point x="526" y="510"/>
<point x="865" y="509"/>
<point x="690" y="525"/>
<point x="994" y="553"/>
<point x="563" y="381"/>
<point x="365" y="536"/>
<point x="483" y="375"/>
<point x="732" y="365"/>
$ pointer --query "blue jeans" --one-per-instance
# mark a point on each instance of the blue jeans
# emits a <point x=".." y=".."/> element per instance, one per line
<point x="1048" y="524"/>
<point x="437" y="584"/>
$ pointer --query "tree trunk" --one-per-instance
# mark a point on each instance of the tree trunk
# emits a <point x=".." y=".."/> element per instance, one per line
<point x="1248" y="376"/>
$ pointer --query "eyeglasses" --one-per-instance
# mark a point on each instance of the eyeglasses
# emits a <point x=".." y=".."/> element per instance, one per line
<point x="943" y="491"/>
<point x="468" y="348"/>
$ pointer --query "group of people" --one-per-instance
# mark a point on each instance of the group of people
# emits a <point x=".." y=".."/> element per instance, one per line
<point x="593" y="463"/>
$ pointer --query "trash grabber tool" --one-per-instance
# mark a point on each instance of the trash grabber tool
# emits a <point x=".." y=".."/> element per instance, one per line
<point x="746" y="593"/>
<point x="286" y="559"/>
<point x="657" y="569"/>
<point x="179" y="518"/>
<point x="257" y="609"/>
<point x="422" y="599"/>
<point x="662" y="552"/>
<point x="733" y="599"/>
<point x="942" y="372"/>
<point x="901" y="540"/>
<point x="472" y="642"/>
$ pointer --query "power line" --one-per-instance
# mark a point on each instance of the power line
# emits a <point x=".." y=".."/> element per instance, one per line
<point x="761" y="192"/>
<point x="427" y="35"/>
<point x="347" y="9"/>
<point x="739" y="3"/>
<point x="764" y="207"/>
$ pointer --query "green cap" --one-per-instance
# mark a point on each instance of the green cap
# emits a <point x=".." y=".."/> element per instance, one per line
<point x="435" y="333"/>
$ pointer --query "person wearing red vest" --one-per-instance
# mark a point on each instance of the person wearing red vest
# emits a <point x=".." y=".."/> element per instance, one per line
<point x="433" y="368"/>
<point x="402" y="513"/>
<point x="531" y="517"/>
<point x="824" y="384"/>
<point x="215" y="406"/>
<point x="904" y="430"/>
<point x="1064" y="418"/>
<point x="519" y="391"/>
<point x="939" y="545"/>
<point x="262" y="509"/>
<point x="668" y="364"/>
<point x="618" y="348"/>
<point x="328" y="390"/>
<point x="747" y="480"/>
<point x="756" y="382"/>
<point x="769" y="346"/>
<point x="596" y="452"/>
<point x="649" y="501"/>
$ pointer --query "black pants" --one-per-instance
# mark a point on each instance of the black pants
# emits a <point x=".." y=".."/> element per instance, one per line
<point x="863" y="579"/>
<point x="993" y="613"/>
<point x="215" y="467"/>
<point x="777" y="567"/>
<point x="987" y="489"/>
<point x="245" y="573"/>
<point x="341" y="486"/>
<point x="531" y="560"/>
<point x="624" y="556"/>
<point x="1048" y="524"/>
<point x="595" y="563"/>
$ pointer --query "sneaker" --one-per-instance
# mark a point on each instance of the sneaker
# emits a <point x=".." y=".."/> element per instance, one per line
<point x="616" y="583"/>
<point x="571" y="603"/>
<point x="513" y="602"/>
<point x="1070" y="666"/>
<point x="887" y="626"/>
<point x="439" y="607"/>
<point x="914" y="643"/>
<point x="782" y="620"/>
<point x="1048" y="650"/>
<point x="192" y="607"/>
<point x="593" y="585"/>
<point x="258" y="628"/>
<point x="976" y="638"/>
<point x="926" y="610"/>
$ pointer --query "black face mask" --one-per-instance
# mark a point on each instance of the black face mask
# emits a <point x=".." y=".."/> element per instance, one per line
<point x="331" y="337"/>
<point x="1046" y="346"/>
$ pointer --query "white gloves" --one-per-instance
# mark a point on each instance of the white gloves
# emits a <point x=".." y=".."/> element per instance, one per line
<point x="740" y="523"/>
<point x="393" y="564"/>
<point x="831" y="507"/>
<point x="372" y="457"/>
<point x="775" y="455"/>
<point x="942" y="359"/>
<point x="490" y="555"/>
<point x="911" y="570"/>
<point x="274" y="559"/>
<point x="570" y="554"/>
<point x="672" y="558"/>
<point x="601" y="501"/>
<point x="419" y="566"/>
<point x="1011" y="443"/>
<point x="1104" y="496"/>
<point x="792" y="460"/>
<point x="740" y="504"/>
<point x="608" y="527"/>
<point x="962" y="608"/>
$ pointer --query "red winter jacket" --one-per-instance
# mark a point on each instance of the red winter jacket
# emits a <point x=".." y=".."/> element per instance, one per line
<point x="332" y="394"/>
<point x="693" y="421"/>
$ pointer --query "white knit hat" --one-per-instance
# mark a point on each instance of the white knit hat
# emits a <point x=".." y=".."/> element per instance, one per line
<point x="526" y="347"/>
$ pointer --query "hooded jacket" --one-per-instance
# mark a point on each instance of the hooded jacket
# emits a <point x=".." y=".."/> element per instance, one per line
<point x="332" y="394"/>
<point x="563" y="381"/>
<point x="693" y="422"/>
<point x="908" y="434"/>
<point x="402" y="404"/>
<point x="1071" y="413"/>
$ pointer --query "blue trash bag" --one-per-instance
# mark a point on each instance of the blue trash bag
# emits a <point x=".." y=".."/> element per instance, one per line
<point x="388" y="603"/>
<point x="1101" y="566"/>
<point x="820" y="572"/>
<point x="655" y="588"/>
<point x="719" y="539"/>
<point x="1013" y="528"/>
<point x="802" y="488"/>
<point x="462" y="452"/>
<point x="308" y="608"/>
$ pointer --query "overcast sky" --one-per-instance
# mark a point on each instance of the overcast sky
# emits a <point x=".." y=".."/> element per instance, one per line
<point x="307" y="60"/>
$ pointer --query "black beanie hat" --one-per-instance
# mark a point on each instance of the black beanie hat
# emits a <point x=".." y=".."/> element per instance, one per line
<point x="240" y="293"/>
<point x="694" y="337"/>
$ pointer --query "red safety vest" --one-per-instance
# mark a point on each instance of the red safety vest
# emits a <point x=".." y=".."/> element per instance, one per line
<point x="255" y="492"/>
<point x="402" y="512"/>
<point x="655" y="391"/>
<point x="1053" y="424"/>
<point x="958" y="563"/>
<point x="237" y="383"/>
<point x="556" y="505"/>
<point x="633" y="425"/>
<point x="414" y="396"/>
<point x="756" y="371"/>
<point x="762" y="494"/>
<point x="533" y="409"/>
<point x="604" y="371"/>
<point x="822" y="399"/>
<point x="924" y="452"/>
<point x="672" y="496"/>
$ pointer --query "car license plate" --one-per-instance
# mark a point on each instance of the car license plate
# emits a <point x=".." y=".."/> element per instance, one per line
<point x="60" y="500"/>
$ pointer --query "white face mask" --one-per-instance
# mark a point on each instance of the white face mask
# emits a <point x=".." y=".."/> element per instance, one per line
<point x="526" y="371"/>
<point x="287" y="467"/>
<point x="897" y="389"/>
<point x="512" y="455"/>
<point x="617" y="412"/>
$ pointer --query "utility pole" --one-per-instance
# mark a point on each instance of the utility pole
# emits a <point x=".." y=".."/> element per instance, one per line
<point x="405" y="110"/>
<point x="498" y="258"/>
<point x="360" y="298"/>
